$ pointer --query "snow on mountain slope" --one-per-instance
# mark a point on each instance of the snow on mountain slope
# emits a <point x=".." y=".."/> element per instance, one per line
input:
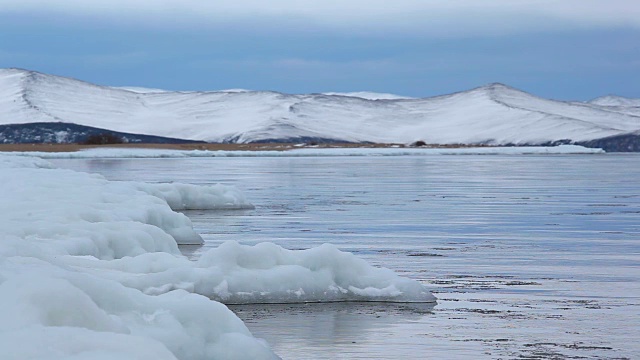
<point x="574" y="111"/>
<point x="370" y="95"/>
<point x="494" y="114"/>
<point x="140" y="90"/>
<point x="612" y="100"/>
<point x="618" y="104"/>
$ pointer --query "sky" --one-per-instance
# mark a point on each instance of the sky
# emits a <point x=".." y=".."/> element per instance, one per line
<point x="561" y="49"/>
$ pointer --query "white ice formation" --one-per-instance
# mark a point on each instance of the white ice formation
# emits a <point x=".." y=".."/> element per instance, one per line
<point x="90" y="269"/>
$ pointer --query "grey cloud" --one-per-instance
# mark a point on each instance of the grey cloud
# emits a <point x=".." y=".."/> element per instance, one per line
<point x="435" y="18"/>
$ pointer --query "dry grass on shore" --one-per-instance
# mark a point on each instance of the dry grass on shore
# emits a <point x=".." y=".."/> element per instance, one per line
<point x="200" y="146"/>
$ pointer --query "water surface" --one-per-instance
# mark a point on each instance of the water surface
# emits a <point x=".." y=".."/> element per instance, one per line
<point x="530" y="256"/>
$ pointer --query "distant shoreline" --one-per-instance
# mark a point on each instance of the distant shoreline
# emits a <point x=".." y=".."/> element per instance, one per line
<point x="211" y="146"/>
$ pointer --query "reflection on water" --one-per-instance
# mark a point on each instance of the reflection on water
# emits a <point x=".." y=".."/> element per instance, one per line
<point x="332" y="330"/>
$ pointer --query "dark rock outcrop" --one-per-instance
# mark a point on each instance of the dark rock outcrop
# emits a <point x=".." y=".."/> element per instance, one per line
<point x="67" y="133"/>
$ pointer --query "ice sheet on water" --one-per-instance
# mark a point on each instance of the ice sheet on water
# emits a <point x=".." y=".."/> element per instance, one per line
<point x="11" y="162"/>
<point x="309" y="152"/>
<point x="90" y="268"/>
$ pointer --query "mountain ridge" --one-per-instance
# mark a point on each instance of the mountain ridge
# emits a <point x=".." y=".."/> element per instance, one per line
<point x="491" y="114"/>
<point x="615" y="100"/>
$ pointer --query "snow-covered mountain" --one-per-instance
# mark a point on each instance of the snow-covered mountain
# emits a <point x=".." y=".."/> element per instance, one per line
<point x="618" y="104"/>
<point x="370" y="95"/>
<point x="493" y="114"/>
<point x="612" y="100"/>
<point x="140" y="90"/>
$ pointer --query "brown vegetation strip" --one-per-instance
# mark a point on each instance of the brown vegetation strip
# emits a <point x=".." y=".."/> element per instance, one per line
<point x="203" y="146"/>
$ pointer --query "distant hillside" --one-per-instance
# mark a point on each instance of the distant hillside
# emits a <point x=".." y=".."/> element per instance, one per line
<point x="64" y="133"/>
<point x="618" y="143"/>
<point x="612" y="100"/>
<point x="618" y="104"/>
<point x="495" y="114"/>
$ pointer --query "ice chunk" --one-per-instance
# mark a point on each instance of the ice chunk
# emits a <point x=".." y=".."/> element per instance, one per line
<point x="269" y="273"/>
<point x="263" y="273"/>
<point x="89" y="215"/>
<point x="193" y="197"/>
<point x="50" y="311"/>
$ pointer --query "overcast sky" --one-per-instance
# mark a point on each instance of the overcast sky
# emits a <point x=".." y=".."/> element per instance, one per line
<point x="563" y="49"/>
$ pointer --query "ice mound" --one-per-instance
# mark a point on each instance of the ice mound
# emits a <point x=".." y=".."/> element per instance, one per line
<point x="268" y="273"/>
<point x="263" y="273"/>
<point x="193" y="197"/>
<point x="52" y="312"/>
<point x="106" y="215"/>
<point x="90" y="269"/>
<point x="88" y="215"/>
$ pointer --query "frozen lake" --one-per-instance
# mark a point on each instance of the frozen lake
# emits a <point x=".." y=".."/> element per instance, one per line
<point x="530" y="256"/>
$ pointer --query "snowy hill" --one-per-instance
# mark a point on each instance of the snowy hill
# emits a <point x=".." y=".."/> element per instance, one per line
<point x="370" y="95"/>
<point x="618" y="104"/>
<point x="612" y="100"/>
<point x="140" y="90"/>
<point x="493" y="114"/>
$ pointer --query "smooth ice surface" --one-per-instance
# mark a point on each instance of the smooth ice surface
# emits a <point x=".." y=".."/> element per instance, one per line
<point x="492" y="114"/>
<point x="532" y="256"/>
<point x="106" y="153"/>
<point x="88" y="265"/>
